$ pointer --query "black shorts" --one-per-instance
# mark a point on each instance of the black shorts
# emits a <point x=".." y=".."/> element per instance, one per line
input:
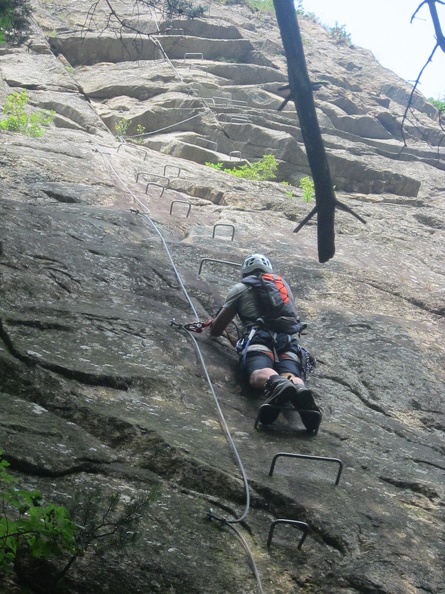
<point x="285" y="348"/>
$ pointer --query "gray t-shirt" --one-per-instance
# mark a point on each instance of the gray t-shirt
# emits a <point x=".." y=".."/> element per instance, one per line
<point x="241" y="298"/>
<point x="244" y="301"/>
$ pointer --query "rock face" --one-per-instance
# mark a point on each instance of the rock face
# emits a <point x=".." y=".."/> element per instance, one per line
<point x="104" y="242"/>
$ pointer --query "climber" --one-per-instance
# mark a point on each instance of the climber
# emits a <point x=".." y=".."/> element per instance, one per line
<point x="271" y="357"/>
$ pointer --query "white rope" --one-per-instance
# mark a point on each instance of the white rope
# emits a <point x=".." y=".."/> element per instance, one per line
<point x="223" y="422"/>
<point x="201" y="358"/>
<point x="197" y="115"/>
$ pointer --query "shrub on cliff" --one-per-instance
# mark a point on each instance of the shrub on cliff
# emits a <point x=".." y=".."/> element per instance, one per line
<point x="19" y="119"/>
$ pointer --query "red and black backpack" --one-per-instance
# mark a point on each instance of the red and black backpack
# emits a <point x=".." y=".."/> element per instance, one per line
<point x="276" y="303"/>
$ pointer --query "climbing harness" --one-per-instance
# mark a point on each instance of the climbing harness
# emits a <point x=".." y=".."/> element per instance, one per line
<point x="222" y="419"/>
<point x="304" y="358"/>
<point x="199" y="327"/>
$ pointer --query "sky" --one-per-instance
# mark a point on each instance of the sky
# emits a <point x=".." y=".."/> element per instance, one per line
<point x="384" y="27"/>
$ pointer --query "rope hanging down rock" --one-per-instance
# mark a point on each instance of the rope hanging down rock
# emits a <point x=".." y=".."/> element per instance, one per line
<point x="223" y="521"/>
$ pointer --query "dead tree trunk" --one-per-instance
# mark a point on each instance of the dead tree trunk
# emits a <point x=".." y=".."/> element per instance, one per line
<point x="301" y="93"/>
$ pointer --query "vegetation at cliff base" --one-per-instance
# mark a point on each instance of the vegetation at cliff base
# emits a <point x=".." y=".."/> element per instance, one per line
<point x="262" y="170"/>
<point x="27" y="523"/>
<point x="93" y="520"/>
<point x="18" y="118"/>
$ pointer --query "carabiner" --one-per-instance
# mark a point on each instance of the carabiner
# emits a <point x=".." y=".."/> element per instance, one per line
<point x="197" y="326"/>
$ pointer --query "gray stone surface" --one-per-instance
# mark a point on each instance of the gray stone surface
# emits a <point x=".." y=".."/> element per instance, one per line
<point x="98" y="389"/>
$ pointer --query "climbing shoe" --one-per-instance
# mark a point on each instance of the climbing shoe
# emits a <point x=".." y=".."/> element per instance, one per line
<point x="303" y="401"/>
<point x="278" y="391"/>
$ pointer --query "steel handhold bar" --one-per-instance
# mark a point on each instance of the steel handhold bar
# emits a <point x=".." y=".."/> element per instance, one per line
<point x="157" y="185"/>
<point x="235" y="264"/>
<point x="172" y="167"/>
<point x="308" y="457"/>
<point x="302" y="525"/>
<point x="194" y="55"/>
<point x="224" y="225"/>
<point x="155" y="175"/>
<point x="181" y="202"/>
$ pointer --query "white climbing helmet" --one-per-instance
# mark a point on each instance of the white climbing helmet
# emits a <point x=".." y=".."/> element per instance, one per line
<point x="256" y="262"/>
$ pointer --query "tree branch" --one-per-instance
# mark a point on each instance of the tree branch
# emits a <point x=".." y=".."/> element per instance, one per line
<point x="436" y="22"/>
<point x="413" y="90"/>
<point x="301" y="88"/>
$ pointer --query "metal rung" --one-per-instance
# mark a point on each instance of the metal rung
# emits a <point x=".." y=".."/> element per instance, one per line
<point x="301" y="525"/>
<point x="215" y="144"/>
<point x="131" y="146"/>
<point x="307" y="457"/>
<point x="238" y="102"/>
<point x="224" y="225"/>
<point x="242" y="119"/>
<point x="235" y="154"/>
<point x="181" y="202"/>
<point x="158" y="177"/>
<point x="220" y="100"/>
<point x="139" y="150"/>
<point x="172" y="167"/>
<point x="192" y="55"/>
<point x="170" y="31"/>
<point x="157" y="185"/>
<point x="234" y="264"/>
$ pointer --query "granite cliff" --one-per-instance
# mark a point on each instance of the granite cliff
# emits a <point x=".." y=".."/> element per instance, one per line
<point x="107" y="237"/>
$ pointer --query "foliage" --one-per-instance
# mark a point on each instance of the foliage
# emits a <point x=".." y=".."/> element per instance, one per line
<point x="121" y="127"/>
<point x="261" y="170"/>
<point x="19" y="120"/>
<point x="92" y="520"/>
<point x="174" y="8"/>
<point x="265" y="6"/>
<point x="14" y="20"/>
<point x="289" y="193"/>
<point x="299" y="8"/>
<point x="25" y="523"/>
<point x="307" y="185"/>
<point x="106" y="522"/>
<point x="140" y="130"/>
<point x="438" y="104"/>
<point x="339" y="34"/>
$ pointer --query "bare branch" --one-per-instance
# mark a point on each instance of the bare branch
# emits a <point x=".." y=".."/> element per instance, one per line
<point x="437" y="26"/>
<point x="440" y="42"/>
<point x="301" y="92"/>
<point x="348" y="209"/>
<point x="305" y="220"/>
